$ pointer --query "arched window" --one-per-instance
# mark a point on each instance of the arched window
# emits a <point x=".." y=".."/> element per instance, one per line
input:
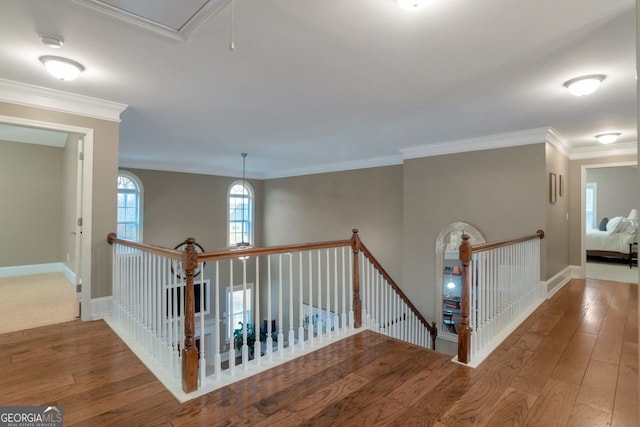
<point x="130" y="204"/>
<point x="240" y="214"/>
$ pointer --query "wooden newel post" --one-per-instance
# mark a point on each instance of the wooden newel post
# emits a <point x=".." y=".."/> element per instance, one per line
<point x="357" y="304"/>
<point x="189" y="351"/>
<point x="464" y="332"/>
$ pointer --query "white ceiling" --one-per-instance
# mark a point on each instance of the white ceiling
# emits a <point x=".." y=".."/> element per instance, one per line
<point x="324" y="85"/>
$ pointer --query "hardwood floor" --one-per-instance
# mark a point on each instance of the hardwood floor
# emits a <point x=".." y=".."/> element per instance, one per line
<point x="573" y="362"/>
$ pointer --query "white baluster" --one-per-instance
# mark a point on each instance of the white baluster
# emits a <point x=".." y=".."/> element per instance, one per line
<point x="319" y="320"/>
<point x="245" y="345"/>
<point x="291" y="337"/>
<point x="309" y="314"/>
<point x="300" y="303"/>
<point x="280" y="309"/>
<point x="269" y="331"/>
<point x="257" y="350"/>
<point x="328" y="310"/>
<point x="217" y="358"/>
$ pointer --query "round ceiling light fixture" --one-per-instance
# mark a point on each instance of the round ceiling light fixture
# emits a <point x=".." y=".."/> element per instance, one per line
<point x="412" y="4"/>
<point x="62" y="68"/>
<point x="585" y="85"/>
<point x="608" y="138"/>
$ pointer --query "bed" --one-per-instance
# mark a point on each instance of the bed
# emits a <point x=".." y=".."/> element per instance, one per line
<point x="613" y="239"/>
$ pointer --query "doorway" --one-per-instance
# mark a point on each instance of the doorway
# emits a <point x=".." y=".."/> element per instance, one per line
<point x="609" y="221"/>
<point x="49" y="230"/>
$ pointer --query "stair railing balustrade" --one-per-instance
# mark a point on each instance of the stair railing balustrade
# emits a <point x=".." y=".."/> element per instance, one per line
<point x="177" y="305"/>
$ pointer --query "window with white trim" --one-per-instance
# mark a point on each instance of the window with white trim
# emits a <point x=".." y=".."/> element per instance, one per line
<point x="236" y="305"/>
<point x="130" y="202"/>
<point x="240" y="220"/>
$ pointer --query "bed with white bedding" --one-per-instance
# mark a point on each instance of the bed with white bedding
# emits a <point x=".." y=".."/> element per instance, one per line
<point x="614" y="240"/>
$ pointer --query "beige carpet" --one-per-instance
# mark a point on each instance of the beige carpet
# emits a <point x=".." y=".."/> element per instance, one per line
<point x="612" y="271"/>
<point x="31" y="301"/>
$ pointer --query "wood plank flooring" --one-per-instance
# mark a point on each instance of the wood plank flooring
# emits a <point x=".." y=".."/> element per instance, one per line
<point x="574" y="362"/>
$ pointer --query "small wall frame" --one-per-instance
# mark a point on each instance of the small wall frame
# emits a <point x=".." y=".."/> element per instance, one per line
<point x="553" y="189"/>
<point x="561" y="185"/>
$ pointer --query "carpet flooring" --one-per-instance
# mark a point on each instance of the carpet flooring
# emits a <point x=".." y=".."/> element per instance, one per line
<point x="35" y="300"/>
<point x="618" y="272"/>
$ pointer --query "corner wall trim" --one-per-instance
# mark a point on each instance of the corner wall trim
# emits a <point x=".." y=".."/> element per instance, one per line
<point x="558" y="281"/>
<point x="100" y="308"/>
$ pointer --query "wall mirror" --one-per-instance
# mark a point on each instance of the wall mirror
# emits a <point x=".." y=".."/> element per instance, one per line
<point x="449" y="276"/>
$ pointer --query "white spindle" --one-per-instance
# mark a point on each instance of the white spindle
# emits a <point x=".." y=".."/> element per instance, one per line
<point x="300" y="303"/>
<point x="269" y="331"/>
<point x="319" y="322"/>
<point x="217" y="358"/>
<point x="291" y="333"/>
<point x="245" y="344"/>
<point x="230" y="325"/>
<point x="328" y="311"/>
<point x="310" y="324"/>
<point x="280" y="309"/>
<point x="257" y="351"/>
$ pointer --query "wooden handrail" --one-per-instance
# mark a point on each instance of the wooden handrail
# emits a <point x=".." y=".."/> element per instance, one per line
<point x="493" y="245"/>
<point x="158" y="250"/>
<point x="237" y="253"/>
<point x="433" y="329"/>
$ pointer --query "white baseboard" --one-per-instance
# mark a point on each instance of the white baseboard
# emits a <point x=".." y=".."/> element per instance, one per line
<point x="100" y="308"/>
<point x="556" y="283"/>
<point x="25" y="270"/>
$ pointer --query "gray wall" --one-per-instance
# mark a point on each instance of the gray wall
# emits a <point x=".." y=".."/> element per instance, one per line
<point x="31" y="194"/>
<point x="502" y="192"/>
<point x="105" y="172"/>
<point x="180" y="205"/>
<point x="315" y="208"/>
<point x="556" y="241"/>
<point x="575" y="211"/>
<point x="617" y="193"/>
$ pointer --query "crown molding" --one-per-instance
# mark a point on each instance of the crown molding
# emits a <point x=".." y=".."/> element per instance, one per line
<point x="51" y="99"/>
<point x="211" y="170"/>
<point x="615" y="149"/>
<point x="502" y="140"/>
<point x="337" y="167"/>
<point x="209" y="9"/>
<point x="554" y="138"/>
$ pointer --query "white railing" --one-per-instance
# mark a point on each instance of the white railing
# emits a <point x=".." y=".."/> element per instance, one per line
<point x="385" y="308"/>
<point x="146" y="304"/>
<point x="504" y="289"/>
<point x="252" y="309"/>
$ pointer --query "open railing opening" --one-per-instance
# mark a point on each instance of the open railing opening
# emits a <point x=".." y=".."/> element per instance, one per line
<point x="500" y="288"/>
<point x="212" y="318"/>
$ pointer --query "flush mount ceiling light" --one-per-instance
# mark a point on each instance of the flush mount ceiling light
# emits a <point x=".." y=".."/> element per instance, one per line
<point x="412" y="4"/>
<point x="62" y="68"/>
<point x="607" y="138"/>
<point x="585" y="85"/>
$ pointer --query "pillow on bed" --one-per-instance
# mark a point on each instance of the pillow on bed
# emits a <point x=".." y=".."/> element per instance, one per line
<point x="603" y="224"/>
<point x="628" y="226"/>
<point x="614" y="224"/>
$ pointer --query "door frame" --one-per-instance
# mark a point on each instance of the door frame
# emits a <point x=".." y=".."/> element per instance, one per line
<point x="87" y="197"/>
<point x="583" y="206"/>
